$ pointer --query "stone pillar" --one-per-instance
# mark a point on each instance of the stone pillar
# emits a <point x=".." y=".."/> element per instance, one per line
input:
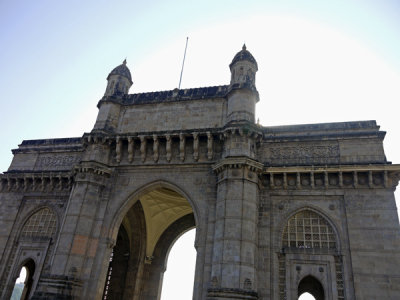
<point x="79" y="239"/>
<point x="233" y="274"/>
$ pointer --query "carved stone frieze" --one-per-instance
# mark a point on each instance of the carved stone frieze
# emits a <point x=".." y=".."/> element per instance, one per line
<point x="303" y="154"/>
<point x="56" y="161"/>
<point x="44" y="182"/>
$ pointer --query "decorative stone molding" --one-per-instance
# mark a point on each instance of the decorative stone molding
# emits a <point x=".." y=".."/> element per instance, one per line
<point x="196" y="146"/>
<point x="367" y="176"/>
<point x="57" y="287"/>
<point x="143" y="145"/>
<point x="36" y="182"/>
<point x="155" y="148"/>
<point x="168" y="147"/>
<point x="125" y="143"/>
<point x="118" y="149"/>
<point x="130" y="149"/>
<point x="209" y="146"/>
<point x="228" y="293"/>
<point x="93" y="172"/>
<point x="182" y="146"/>
<point x="238" y="162"/>
<point x="243" y="130"/>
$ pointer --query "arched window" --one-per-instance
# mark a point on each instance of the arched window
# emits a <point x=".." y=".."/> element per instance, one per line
<point x="42" y="224"/>
<point x="307" y="229"/>
<point x="310" y="285"/>
<point x="23" y="284"/>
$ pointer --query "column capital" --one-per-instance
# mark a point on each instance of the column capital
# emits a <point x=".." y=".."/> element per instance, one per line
<point x="238" y="162"/>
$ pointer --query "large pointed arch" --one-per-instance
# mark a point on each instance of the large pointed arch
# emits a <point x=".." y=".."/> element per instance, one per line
<point x="166" y="212"/>
<point x="135" y="196"/>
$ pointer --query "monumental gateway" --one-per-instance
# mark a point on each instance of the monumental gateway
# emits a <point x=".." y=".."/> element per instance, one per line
<point x="278" y="211"/>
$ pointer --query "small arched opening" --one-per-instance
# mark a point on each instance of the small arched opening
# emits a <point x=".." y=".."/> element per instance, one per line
<point x="23" y="284"/>
<point x="308" y="232"/>
<point x="310" y="285"/>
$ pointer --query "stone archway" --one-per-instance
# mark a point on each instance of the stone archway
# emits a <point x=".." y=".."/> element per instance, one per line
<point x="312" y="286"/>
<point x="147" y="232"/>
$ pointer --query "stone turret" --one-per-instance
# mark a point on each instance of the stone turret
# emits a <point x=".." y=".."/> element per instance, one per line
<point x="243" y="95"/>
<point x="243" y="68"/>
<point x="119" y="81"/>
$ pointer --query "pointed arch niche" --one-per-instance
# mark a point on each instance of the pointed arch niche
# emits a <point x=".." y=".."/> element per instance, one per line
<point x="310" y="259"/>
<point x="32" y="250"/>
<point x="146" y="234"/>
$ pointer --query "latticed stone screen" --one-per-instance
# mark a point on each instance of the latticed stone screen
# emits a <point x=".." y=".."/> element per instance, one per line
<point x="307" y="229"/>
<point x="41" y="224"/>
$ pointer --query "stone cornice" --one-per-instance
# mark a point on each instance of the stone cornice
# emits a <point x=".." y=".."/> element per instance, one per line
<point x="94" y="168"/>
<point x="231" y="293"/>
<point x="339" y="176"/>
<point x="92" y="172"/>
<point x="36" y="181"/>
<point x="335" y="168"/>
<point x="238" y="162"/>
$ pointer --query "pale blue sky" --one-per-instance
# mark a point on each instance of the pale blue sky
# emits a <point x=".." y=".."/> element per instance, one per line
<point x="319" y="61"/>
<point x="55" y="55"/>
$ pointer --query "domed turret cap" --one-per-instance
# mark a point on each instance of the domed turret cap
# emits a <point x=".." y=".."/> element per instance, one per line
<point x="244" y="55"/>
<point x="121" y="70"/>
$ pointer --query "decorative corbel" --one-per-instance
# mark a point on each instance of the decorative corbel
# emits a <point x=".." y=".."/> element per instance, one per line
<point x="195" y="146"/>
<point x="209" y="146"/>
<point x="155" y="148"/>
<point x="182" y="146"/>
<point x="326" y="179"/>
<point x="59" y="182"/>
<point x="312" y="183"/>
<point x="130" y="149"/>
<point x="370" y="182"/>
<point x="355" y="178"/>
<point x="298" y="181"/>
<point x="143" y="144"/>
<point x="118" y="147"/>
<point x="168" y="147"/>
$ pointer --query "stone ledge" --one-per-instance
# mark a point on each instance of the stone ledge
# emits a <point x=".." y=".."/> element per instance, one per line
<point x="231" y="293"/>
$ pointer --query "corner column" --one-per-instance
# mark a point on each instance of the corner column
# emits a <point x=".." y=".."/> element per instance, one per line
<point x="233" y="274"/>
<point x="79" y="239"/>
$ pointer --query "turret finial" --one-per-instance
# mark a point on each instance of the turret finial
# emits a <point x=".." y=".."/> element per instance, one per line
<point x="124" y="62"/>
<point x="244" y="47"/>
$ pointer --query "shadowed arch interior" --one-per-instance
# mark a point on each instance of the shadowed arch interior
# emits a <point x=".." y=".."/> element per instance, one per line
<point x="311" y="285"/>
<point x="146" y="234"/>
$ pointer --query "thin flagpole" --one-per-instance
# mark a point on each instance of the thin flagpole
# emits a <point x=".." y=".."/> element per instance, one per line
<point x="183" y="63"/>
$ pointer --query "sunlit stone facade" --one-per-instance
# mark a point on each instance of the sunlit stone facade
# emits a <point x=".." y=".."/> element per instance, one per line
<point x="278" y="211"/>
